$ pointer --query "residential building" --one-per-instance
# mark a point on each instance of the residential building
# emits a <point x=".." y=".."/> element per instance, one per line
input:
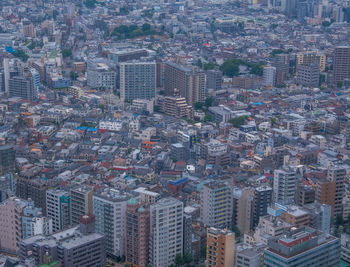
<point x="301" y="247"/>
<point x="262" y="199"/>
<point x="249" y="256"/>
<point x="320" y="216"/>
<point x="341" y="63"/>
<point x="58" y="208"/>
<point x="284" y="185"/>
<point x="137" y="80"/>
<point x="269" y="76"/>
<point x="345" y="247"/>
<point x="220" y="248"/>
<point x="216" y="205"/>
<point x="137" y="233"/>
<point x="100" y="76"/>
<point x="308" y="75"/>
<point x="214" y="79"/>
<point x="337" y="174"/>
<point x="295" y="215"/>
<point x="166" y="232"/>
<point x="77" y="246"/>
<point x="312" y="57"/>
<point x="190" y="82"/>
<point x="176" y="106"/>
<point x="22" y="86"/>
<point x="109" y="208"/>
<point x="81" y="202"/>
<point x="325" y="193"/>
<point x="7" y="159"/>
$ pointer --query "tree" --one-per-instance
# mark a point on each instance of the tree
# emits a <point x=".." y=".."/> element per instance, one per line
<point x="187" y="258"/>
<point x="209" y="101"/>
<point x="273" y="26"/>
<point x="322" y="78"/>
<point x="236" y="231"/>
<point x="90" y="3"/>
<point x="339" y="84"/>
<point x="326" y="23"/>
<point x="339" y="220"/>
<point x="199" y="63"/>
<point x="208" y="117"/>
<point x="209" y="66"/>
<point x="66" y="52"/>
<point x="146" y="27"/>
<point x="203" y="252"/>
<point x="178" y="260"/>
<point x="238" y="121"/>
<point x="230" y="68"/>
<point x="73" y="75"/>
<point x="198" y="105"/>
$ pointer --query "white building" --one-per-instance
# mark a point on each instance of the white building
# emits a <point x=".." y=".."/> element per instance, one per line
<point x="284" y="185"/>
<point x="41" y="226"/>
<point x="110" y="125"/>
<point x="58" y="208"/>
<point x="100" y="76"/>
<point x="269" y="76"/>
<point x="166" y="233"/>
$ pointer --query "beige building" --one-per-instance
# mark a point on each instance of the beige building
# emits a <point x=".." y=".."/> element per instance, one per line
<point x="220" y="248"/>
<point x="312" y="57"/>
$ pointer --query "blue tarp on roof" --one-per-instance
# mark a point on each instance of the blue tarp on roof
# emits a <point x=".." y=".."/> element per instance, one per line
<point x="9" y="49"/>
<point x="178" y="182"/>
<point x="91" y="129"/>
<point x="82" y="128"/>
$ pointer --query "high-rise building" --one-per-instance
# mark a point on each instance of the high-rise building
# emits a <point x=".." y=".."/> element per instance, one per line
<point x="110" y="209"/>
<point x="11" y="224"/>
<point x="312" y="57"/>
<point x="325" y="193"/>
<point x="7" y="186"/>
<point x="216" y="205"/>
<point x="28" y="29"/>
<point x="337" y="174"/>
<point x="301" y="247"/>
<point x="308" y="75"/>
<point x="100" y="76"/>
<point x="166" y="232"/>
<point x="137" y="80"/>
<point x="341" y="63"/>
<point x="304" y="194"/>
<point x="189" y="82"/>
<point x="284" y="185"/>
<point x="58" y="209"/>
<point x="137" y="233"/>
<point x="242" y="208"/>
<point x="262" y="199"/>
<point x="281" y="63"/>
<point x="320" y="216"/>
<point x="220" y="248"/>
<point x="214" y="79"/>
<point x="7" y="159"/>
<point x="176" y="106"/>
<point x="81" y="202"/>
<point x="269" y="76"/>
<point x="22" y="86"/>
<point x="77" y="246"/>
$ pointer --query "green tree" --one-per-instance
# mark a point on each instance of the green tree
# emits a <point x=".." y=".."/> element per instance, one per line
<point x="203" y="252"/>
<point x="209" y="101"/>
<point x="236" y="231"/>
<point x="209" y="66"/>
<point x="230" y="68"/>
<point x="66" y="52"/>
<point x="90" y="3"/>
<point x="238" y="121"/>
<point x="21" y="55"/>
<point x="273" y="26"/>
<point x="199" y="63"/>
<point x="339" y="220"/>
<point x="73" y="75"/>
<point x="102" y="107"/>
<point x="146" y="27"/>
<point x="326" y="23"/>
<point x="178" y="260"/>
<point x="187" y="258"/>
<point x="339" y="84"/>
<point x="198" y="105"/>
<point x="208" y="117"/>
<point x="322" y="78"/>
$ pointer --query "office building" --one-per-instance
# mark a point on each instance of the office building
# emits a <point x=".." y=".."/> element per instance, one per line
<point x="109" y="208"/>
<point x="7" y="159"/>
<point x="22" y="86"/>
<point x="7" y="186"/>
<point x="341" y="63"/>
<point x="308" y="75"/>
<point x="190" y="82"/>
<point x="337" y="174"/>
<point x="249" y="256"/>
<point x="58" y="209"/>
<point x="137" y="233"/>
<point x="216" y="205"/>
<point x="220" y="248"/>
<point x="281" y="63"/>
<point x="242" y="216"/>
<point x="304" y="194"/>
<point x="214" y="79"/>
<point x="325" y="193"/>
<point x="301" y="247"/>
<point x="320" y="216"/>
<point x="284" y="185"/>
<point x="147" y="196"/>
<point x="100" y="76"/>
<point x="77" y="246"/>
<point x="269" y="76"/>
<point x="295" y="215"/>
<point x="81" y="202"/>
<point x="345" y="247"/>
<point x="166" y="232"/>
<point x="137" y="80"/>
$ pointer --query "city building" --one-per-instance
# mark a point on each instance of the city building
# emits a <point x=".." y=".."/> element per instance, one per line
<point x="220" y="248"/>
<point x="137" y="233"/>
<point x="216" y="205"/>
<point x="109" y="208"/>
<point x="308" y="75"/>
<point x="337" y="174"/>
<point x="21" y="86"/>
<point x="269" y="76"/>
<point x="176" y="106"/>
<point x="312" y="57"/>
<point x="249" y="256"/>
<point x="302" y="246"/>
<point x="7" y="159"/>
<point x="77" y="246"/>
<point x="214" y="79"/>
<point x="81" y="203"/>
<point x="284" y="185"/>
<point x="58" y="208"/>
<point x="137" y="80"/>
<point x="166" y="231"/>
<point x="100" y="76"/>
<point x="341" y="63"/>
<point x="262" y="199"/>
<point x="190" y="82"/>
